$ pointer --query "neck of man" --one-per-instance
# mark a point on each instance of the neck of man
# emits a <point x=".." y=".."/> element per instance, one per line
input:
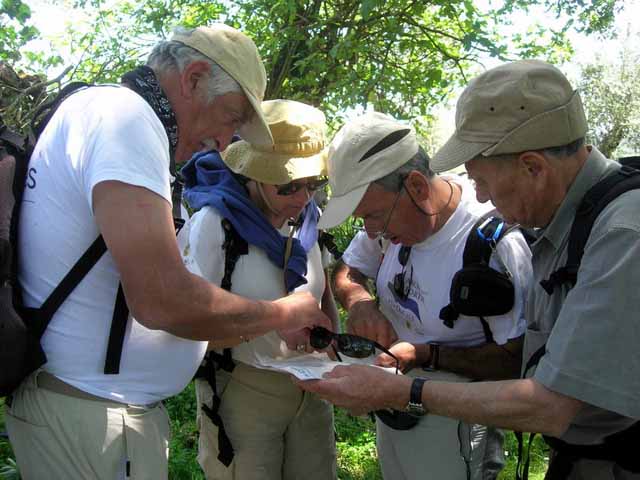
<point x="446" y="199"/>
<point x="170" y="84"/>
<point x="566" y="171"/>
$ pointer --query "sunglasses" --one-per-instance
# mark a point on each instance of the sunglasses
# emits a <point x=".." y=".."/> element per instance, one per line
<point x="352" y="346"/>
<point x="294" y="187"/>
<point x="399" y="287"/>
<point x="360" y="347"/>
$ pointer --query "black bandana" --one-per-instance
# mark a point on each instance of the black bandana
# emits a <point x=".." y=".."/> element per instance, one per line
<point x="143" y="81"/>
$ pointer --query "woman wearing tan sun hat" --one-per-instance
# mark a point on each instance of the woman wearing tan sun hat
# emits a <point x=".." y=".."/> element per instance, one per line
<point x="276" y="431"/>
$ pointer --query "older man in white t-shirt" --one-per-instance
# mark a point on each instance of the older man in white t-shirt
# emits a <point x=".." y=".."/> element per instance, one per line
<point x="416" y="225"/>
<point x="101" y="169"/>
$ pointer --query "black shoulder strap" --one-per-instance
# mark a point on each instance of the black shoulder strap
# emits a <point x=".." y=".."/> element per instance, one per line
<point x="234" y="246"/>
<point x="44" y="113"/>
<point x="592" y="204"/>
<point x="478" y="249"/>
<point x="118" y="329"/>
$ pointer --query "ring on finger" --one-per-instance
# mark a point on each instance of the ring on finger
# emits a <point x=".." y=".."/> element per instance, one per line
<point x="301" y="347"/>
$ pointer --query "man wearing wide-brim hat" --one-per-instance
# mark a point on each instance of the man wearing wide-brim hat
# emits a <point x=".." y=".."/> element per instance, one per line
<point x="134" y="329"/>
<point x="265" y="428"/>
<point x="520" y="131"/>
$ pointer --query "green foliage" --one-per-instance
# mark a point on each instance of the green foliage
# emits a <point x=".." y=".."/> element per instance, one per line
<point x="396" y="56"/>
<point x="183" y="447"/>
<point x="15" y="30"/>
<point x="610" y="90"/>
<point x="8" y="467"/>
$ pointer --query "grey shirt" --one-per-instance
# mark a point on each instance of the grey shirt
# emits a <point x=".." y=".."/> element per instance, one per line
<point x="592" y="330"/>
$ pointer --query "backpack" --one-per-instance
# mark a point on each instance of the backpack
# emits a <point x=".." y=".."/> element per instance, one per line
<point x="478" y="290"/>
<point x="618" y="447"/>
<point x="21" y="328"/>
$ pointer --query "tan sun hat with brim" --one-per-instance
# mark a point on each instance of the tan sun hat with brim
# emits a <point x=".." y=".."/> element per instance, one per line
<point x="238" y="56"/>
<point x="518" y="106"/>
<point x="298" y="149"/>
<point x="364" y="150"/>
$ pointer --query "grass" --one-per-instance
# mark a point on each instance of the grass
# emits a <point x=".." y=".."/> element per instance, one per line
<point x="357" y="458"/>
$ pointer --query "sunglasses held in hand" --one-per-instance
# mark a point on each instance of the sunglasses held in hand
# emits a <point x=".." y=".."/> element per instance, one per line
<point x="352" y="346"/>
<point x="359" y="347"/>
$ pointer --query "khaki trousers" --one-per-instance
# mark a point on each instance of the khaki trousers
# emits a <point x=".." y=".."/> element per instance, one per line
<point x="438" y="448"/>
<point x="278" y="431"/>
<point x="56" y="436"/>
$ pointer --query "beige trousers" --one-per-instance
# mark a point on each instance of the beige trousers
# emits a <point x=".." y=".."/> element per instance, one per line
<point x="277" y="430"/>
<point x="437" y="448"/>
<point x="56" y="436"/>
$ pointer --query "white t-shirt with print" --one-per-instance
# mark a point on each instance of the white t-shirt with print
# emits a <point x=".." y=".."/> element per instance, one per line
<point x="434" y="262"/>
<point x="98" y="134"/>
<point x="254" y="276"/>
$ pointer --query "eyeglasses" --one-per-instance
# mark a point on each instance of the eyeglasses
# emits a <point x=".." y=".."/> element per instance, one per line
<point x="351" y="345"/>
<point x="294" y="187"/>
<point x="399" y="287"/>
<point x="379" y="234"/>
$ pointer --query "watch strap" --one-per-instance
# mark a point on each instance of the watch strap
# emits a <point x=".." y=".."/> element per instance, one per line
<point x="415" y="397"/>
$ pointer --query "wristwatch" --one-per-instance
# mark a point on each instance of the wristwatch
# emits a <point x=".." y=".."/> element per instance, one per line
<point x="415" y="406"/>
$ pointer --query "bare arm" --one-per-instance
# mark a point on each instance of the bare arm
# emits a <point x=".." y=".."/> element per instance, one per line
<point x="485" y="362"/>
<point x="350" y="285"/>
<point x="137" y="227"/>
<point x="524" y="405"/>
<point x="365" y="319"/>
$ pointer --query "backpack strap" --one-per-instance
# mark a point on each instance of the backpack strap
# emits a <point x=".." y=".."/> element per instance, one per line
<point x="592" y="204"/>
<point x="234" y="246"/>
<point x="481" y="242"/>
<point x="44" y="113"/>
<point x="118" y="328"/>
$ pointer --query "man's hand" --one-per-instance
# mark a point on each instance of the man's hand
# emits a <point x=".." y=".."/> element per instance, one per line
<point x="408" y="354"/>
<point x="302" y="313"/>
<point x="360" y="388"/>
<point x="366" y="320"/>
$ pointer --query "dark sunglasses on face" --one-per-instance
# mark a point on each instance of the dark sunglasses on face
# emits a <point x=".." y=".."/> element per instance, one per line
<point x="399" y="287"/>
<point x="351" y="345"/>
<point x="294" y="187"/>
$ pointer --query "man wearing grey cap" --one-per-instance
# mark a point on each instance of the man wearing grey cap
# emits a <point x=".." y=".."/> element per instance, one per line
<point x="379" y="173"/>
<point x="520" y="132"/>
<point x="100" y="176"/>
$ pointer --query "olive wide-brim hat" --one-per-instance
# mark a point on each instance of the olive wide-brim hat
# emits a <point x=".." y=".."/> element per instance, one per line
<point x="298" y="149"/>
<point x="513" y="108"/>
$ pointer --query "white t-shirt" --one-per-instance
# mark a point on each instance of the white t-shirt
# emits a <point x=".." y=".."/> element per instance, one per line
<point x="254" y="276"/>
<point x="434" y="263"/>
<point x="98" y="134"/>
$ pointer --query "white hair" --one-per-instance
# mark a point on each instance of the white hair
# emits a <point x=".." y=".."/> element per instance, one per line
<point x="171" y="56"/>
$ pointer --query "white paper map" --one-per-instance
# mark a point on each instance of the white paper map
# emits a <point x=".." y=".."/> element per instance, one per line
<point x="313" y="366"/>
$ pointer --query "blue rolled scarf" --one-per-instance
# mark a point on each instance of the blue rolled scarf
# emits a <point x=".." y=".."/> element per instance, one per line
<point x="208" y="181"/>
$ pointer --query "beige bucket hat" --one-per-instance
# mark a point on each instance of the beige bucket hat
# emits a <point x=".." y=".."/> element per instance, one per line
<point x="518" y="106"/>
<point x="238" y="56"/>
<point x="298" y="149"/>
